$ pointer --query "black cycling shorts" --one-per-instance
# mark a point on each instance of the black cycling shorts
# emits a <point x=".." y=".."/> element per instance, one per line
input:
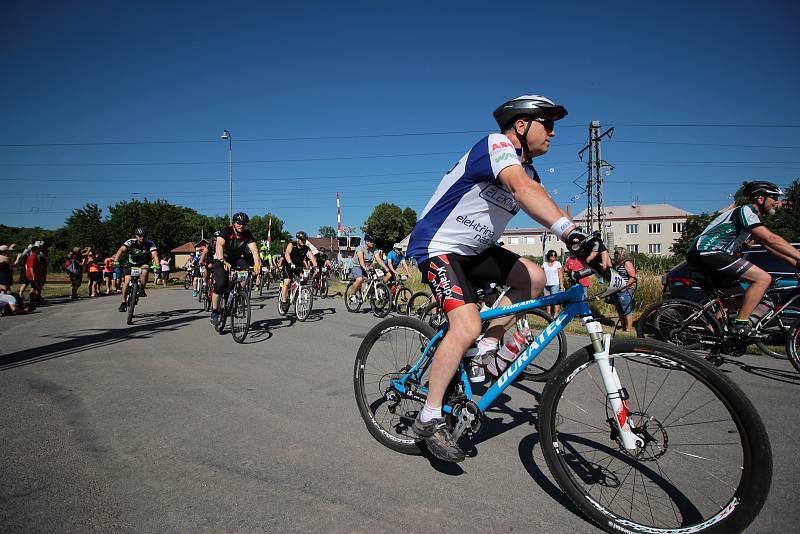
<point x="453" y="277"/>
<point x="725" y="270"/>
<point x="221" y="274"/>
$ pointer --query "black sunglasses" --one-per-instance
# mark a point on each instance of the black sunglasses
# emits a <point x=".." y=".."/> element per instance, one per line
<point x="549" y="124"/>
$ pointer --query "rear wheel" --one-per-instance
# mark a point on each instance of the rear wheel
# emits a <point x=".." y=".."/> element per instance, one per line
<point x="542" y="367"/>
<point x="323" y="289"/>
<point x="793" y="346"/>
<point x="187" y="281"/>
<point x="417" y="304"/>
<point x="223" y="314"/>
<point x="778" y="329"/>
<point x="433" y="315"/>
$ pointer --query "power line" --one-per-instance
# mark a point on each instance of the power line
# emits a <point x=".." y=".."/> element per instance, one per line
<point x="664" y="125"/>
<point x="703" y="144"/>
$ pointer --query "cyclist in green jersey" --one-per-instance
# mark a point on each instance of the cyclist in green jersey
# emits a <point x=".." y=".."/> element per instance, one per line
<point x="138" y="252"/>
<point x="712" y="252"/>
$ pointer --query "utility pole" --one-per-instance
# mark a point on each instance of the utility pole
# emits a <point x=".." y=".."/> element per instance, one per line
<point x="595" y="205"/>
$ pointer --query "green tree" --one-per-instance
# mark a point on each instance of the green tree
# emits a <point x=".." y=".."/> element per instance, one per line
<point x="85" y="228"/>
<point x="386" y="224"/>
<point x="694" y="225"/>
<point x="327" y="231"/>
<point x="409" y="220"/>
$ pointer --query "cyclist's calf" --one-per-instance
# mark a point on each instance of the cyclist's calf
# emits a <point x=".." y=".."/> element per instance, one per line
<point x="759" y="282"/>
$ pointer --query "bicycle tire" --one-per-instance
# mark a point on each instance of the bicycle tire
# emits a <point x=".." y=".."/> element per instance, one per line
<point x="133" y="291"/>
<point x="281" y="310"/>
<point x="389" y="349"/>
<point x="187" y="281"/>
<point x="789" y="316"/>
<point x="380" y="300"/>
<point x="701" y="431"/>
<point x="417" y="303"/>
<point x="432" y="315"/>
<point x="545" y="364"/>
<point x="324" y="288"/>
<point x="304" y="303"/>
<point x="240" y="316"/>
<point x="793" y="346"/>
<point x="666" y="321"/>
<point x="401" y="300"/>
<point x="261" y="282"/>
<point x="352" y="305"/>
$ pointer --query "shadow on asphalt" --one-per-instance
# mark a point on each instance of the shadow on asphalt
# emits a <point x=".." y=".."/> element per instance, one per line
<point x="82" y="340"/>
<point x="780" y="375"/>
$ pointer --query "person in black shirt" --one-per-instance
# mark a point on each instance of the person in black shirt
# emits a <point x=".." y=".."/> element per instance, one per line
<point x="295" y="254"/>
<point x="235" y="247"/>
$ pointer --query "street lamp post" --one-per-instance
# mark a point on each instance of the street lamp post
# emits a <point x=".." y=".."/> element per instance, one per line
<point x="227" y="135"/>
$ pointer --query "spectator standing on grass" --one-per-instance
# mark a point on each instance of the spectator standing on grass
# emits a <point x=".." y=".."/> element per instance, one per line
<point x="554" y="277"/>
<point x="21" y="263"/>
<point x="6" y="271"/>
<point x="623" y="300"/>
<point x="74" y="267"/>
<point x="165" y="270"/>
<point x="574" y="265"/>
<point x="108" y="273"/>
<point x="44" y="262"/>
<point x="35" y="272"/>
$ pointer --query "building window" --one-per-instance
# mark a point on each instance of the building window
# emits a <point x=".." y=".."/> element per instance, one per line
<point x="654" y="228"/>
<point x="633" y="248"/>
<point x="631" y="228"/>
<point x="530" y="240"/>
<point x="678" y="227"/>
<point x="514" y="240"/>
<point x="654" y="248"/>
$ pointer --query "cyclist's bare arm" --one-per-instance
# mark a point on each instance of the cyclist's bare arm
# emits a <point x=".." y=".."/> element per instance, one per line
<point x="536" y="202"/>
<point x="777" y="245"/>
<point x="405" y="266"/>
<point x="360" y="260"/>
<point x="120" y="252"/>
<point x="156" y="261"/>
<point x="311" y="257"/>
<point x="287" y="253"/>
<point x="256" y="258"/>
<point x="380" y="262"/>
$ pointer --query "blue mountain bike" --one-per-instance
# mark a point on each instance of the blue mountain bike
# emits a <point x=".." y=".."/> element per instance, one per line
<point x="641" y="436"/>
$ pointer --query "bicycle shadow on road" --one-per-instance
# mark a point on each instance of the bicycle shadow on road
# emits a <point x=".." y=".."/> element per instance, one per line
<point x="785" y="376"/>
<point x="84" y="340"/>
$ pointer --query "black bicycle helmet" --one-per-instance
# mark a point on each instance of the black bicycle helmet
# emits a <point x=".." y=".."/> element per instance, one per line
<point x="761" y="188"/>
<point x="528" y="106"/>
<point x="301" y="235"/>
<point x="140" y="230"/>
<point x="368" y="237"/>
<point x="241" y="218"/>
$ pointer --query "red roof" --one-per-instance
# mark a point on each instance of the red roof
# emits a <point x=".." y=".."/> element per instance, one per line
<point x="184" y="249"/>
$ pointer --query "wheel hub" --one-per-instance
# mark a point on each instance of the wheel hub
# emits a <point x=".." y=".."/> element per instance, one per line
<point x="650" y="431"/>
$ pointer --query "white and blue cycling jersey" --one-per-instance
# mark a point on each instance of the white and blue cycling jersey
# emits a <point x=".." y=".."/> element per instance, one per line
<point x="470" y="208"/>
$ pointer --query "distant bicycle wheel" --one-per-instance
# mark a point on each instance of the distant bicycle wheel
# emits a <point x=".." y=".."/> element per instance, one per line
<point x="133" y="298"/>
<point x="187" y="281"/>
<point x="778" y="328"/>
<point x="352" y="300"/>
<point x="324" y="288"/>
<point x="793" y="346"/>
<point x="418" y="303"/>
<point x="304" y="303"/>
<point x="223" y="315"/>
<point x="543" y="366"/>
<point x="433" y="315"/>
<point x="381" y="300"/>
<point x="401" y="300"/>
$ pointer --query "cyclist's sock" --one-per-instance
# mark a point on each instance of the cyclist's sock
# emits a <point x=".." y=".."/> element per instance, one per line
<point x="483" y="346"/>
<point x="427" y="413"/>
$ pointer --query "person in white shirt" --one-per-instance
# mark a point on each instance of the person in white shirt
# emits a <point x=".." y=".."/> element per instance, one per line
<point x="554" y="277"/>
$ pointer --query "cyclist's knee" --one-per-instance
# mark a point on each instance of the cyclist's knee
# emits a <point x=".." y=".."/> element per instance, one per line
<point x="465" y="324"/>
<point x="526" y="277"/>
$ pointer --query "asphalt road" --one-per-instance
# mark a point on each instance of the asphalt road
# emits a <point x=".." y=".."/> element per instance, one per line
<point x="166" y="426"/>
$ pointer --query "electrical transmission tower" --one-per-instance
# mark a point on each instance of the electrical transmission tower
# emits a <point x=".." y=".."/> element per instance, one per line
<point x="595" y="208"/>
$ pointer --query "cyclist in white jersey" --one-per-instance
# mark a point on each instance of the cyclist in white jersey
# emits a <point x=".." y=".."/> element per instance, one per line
<point x="453" y="243"/>
<point x="712" y="252"/>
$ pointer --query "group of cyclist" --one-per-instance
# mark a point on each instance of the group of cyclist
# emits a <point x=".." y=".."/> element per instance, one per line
<point x="454" y="245"/>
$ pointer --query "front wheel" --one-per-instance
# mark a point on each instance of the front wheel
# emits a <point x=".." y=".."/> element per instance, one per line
<point x="381" y="300"/>
<point x="793" y="345"/>
<point x="304" y="303"/>
<point x="187" y="281"/>
<point x="706" y="462"/>
<point x="352" y="298"/>
<point x="240" y="316"/>
<point x="223" y="314"/>
<point x="417" y="304"/>
<point x="401" y="300"/>
<point x="133" y="293"/>
<point x="389" y="351"/>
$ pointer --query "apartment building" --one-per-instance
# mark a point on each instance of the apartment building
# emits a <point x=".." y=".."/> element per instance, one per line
<point x="646" y="228"/>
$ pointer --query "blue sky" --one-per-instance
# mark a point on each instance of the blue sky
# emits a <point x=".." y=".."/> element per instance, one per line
<point x="116" y="100"/>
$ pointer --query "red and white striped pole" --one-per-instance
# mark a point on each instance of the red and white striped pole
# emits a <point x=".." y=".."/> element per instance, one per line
<point x="269" y="233"/>
<point x="338" y="217"/>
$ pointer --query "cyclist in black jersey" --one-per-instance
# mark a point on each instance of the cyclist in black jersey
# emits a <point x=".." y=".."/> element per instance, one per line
<point x="235" y="247"/>
<point x="713" y="251"/>
<point x="137" y="252"/>
<point x="323" y="262"/>
<point x="294" y="256"/>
